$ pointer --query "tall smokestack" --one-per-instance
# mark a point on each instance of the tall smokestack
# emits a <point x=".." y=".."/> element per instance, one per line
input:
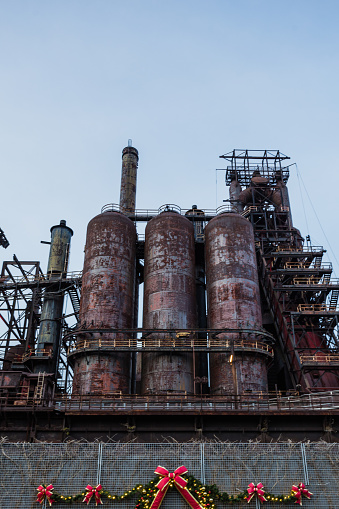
<point x="130" y="158"/>
<point x="51" y="314"/>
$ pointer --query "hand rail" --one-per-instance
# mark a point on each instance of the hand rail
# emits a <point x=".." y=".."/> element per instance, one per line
<point x="301" y="249"/>
<point x="30" y="278"/>
<point x="301" y="265"/>
<point x="183" y="402"/>
<point x="319" y="357"/>
<point x="172" y="343"/>
<point x="317" y="308"/>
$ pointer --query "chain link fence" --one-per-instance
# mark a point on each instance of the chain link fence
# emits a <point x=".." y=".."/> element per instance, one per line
<point x="120" y="466"/>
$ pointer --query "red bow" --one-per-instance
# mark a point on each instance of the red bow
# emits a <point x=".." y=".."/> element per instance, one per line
<point x="299" y="490"/>
<point x="93" y="491"/>
<point x="252" y="490"/>
<point x="180" y="484"/>
<point x="45" y="492"/>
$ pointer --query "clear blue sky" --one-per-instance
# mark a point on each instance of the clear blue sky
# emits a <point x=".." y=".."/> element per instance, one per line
<point x="186" y="80"/>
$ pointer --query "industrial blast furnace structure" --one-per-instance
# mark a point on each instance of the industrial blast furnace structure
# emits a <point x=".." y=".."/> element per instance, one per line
<point x="239" y="336"/>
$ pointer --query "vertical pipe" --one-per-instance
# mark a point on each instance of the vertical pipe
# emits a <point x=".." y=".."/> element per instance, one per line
<point x="201" y="359"/>
<point x="283" y="198"/>
<point x="51" y="314"/>
<point x="235" y="190"/>
<point x="130" y="158"/>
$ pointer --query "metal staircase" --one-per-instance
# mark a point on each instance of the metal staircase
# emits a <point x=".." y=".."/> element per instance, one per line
<point x="73" y="293"/>
<point x="282" y="328"/>
<point x="334" y="300"/>
<point x="317" y="262"/>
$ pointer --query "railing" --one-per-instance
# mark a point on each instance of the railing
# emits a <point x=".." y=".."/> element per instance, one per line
<point x="301" y="249"/>
<point x="319" y="358"/>
<point x="169" y="207"/>
<point x="315" y="281"/>
<point x="34" y="355"/>
<point x="149" y="213"/>
<point x="30" y="278"/>
<point x="248" y="210"/>
<point x="250" y="402"/>
<point x="301" y="265"/>
<point x="22" y="400"/>
<point x="171" y="343"/>
<point x="178" y="403"/>
<point x="314" y="308"/>
<point x="254" y="208"/>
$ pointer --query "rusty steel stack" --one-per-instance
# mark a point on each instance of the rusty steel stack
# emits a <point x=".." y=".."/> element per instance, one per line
<point x="130" y="158"/>
<point x="233" y="300"/>
<point x="107" y="300"/>
<point x="48" y="342"/>
<point x="169" y="300"/>
<point x="174" y="262"/>
<point x="108" y="293"/>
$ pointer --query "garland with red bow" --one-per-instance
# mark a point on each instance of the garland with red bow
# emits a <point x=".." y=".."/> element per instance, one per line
<point x="173" y="479"/>
<point x="300" y="490"/>
<point x="197" y="494"/>
<point x="93" y="491"/>
<point x="45" y="492"/>
<point x="256" y="490"/>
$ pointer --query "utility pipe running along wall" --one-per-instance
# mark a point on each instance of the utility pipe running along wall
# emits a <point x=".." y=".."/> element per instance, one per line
<point x="51" y="314"/>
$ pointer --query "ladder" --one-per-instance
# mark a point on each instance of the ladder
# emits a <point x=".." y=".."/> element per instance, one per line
<point x="327" y="279"/>
<point x="317" y="262"/>
<point x="334" y="300"/>
<point x="75" y="299"/>
<point x="39" y="389"/>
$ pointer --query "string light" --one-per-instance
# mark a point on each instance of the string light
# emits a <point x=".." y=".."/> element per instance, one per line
<point x="205" y="495"/>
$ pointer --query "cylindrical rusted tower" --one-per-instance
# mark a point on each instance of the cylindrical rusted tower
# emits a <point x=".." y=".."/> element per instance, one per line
<point x="107" y="300"/>
<point x="48" y="343"/>
<point x="169" y="300"/>
<point x="234" y="303"/>
<point x="130" y="158"/>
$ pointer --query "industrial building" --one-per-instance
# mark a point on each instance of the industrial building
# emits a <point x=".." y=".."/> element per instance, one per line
<point x="237" y="353"/>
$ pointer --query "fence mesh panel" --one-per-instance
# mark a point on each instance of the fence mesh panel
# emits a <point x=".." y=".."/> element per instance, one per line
<point x="233" y="466"/>
<point x="119" y="467"/>
<point x="323" y="471"/>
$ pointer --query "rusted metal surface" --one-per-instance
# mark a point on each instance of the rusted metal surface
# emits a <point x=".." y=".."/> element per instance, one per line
<point x="201" y="360"/>
<point x="59" y="252"/>
<point x="107" y="300"/>
<point x="12" y="355"/>
<point x="169" y="299"/>
<point x="51" y="314"/>
<point x="233" y="301"/>
<point x="198" y="225"/>
<point x="128" y="187"/>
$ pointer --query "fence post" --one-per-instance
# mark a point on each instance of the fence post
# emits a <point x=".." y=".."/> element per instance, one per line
<point x="303" y="455"/>
<point x="202" y="463"/>
<point x="99" y="463"/>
